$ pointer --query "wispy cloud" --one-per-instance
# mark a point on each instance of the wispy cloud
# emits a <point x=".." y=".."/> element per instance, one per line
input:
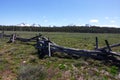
<point x="107" y="18"/>
<point x="45" y="20"/>
<point x="94" y="21"/>
<point x="112" y="21"/>
<point x="116" y="17"/>
<point x="44" y="17"/>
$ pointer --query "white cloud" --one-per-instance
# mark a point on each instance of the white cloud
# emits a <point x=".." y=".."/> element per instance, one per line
<point x="106" y="17"/>
<point x="94" y="21"/>
<point x="112" y="21"/>
<point x="46" y="21"/>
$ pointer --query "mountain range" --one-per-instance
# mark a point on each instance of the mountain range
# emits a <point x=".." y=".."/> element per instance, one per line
<point x="25" y="24"/>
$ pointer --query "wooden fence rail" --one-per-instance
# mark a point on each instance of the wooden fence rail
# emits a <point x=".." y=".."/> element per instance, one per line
<point x="99" y="53"/>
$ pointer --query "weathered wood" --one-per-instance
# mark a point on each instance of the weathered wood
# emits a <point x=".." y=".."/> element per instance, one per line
<point x="109" y="49"/>
<point x="27" y="40"/>
<point x="6" y="35"/>
<point x="2" y="34"/>
<point x="12" y="38"/>
<point x="115" y="53"/>
<point x="45" y="47"/>
<point x="72" y="51"/>
<point x="96" y="46"/>
<point x="49" y="50"/>
<point x="77" y="52"/>
<point x="111" y="46"/>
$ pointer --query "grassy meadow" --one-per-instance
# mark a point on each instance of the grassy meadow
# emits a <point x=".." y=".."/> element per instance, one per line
<point x="19" y="60"/>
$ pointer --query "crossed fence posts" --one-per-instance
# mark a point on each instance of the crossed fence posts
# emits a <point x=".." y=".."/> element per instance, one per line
<point x="43" y="47"/>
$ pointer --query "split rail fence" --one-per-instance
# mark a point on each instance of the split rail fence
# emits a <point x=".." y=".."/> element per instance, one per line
<point x="46" y="47"/>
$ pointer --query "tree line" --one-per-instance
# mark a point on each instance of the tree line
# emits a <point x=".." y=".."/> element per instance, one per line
<point x="79" y="29"/>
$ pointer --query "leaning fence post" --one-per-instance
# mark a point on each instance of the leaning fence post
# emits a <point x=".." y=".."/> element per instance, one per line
<point x="108" y="45"/>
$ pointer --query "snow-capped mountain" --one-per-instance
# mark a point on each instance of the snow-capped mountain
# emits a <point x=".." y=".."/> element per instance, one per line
<point x="28" y="25"/>
<point x="35" y="25"/>
<point x="23" y="24"/>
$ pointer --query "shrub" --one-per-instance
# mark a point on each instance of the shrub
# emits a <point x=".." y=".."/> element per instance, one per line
<point x="113" y="70"/>
<point x="62" y="66"/>
<point x="29" y="72"/>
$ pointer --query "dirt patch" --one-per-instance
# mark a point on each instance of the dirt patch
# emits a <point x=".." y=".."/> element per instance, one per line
<point x="8" y="75"/>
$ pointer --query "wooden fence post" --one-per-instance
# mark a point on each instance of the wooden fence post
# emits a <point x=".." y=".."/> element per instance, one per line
<point x="3" y="34"/>
<point x="12" y="38"/>
<point x="96" y="45"/>
<point x="43" y="47"/>
<point x="109" y="49"/>
<point x="38" y="46"/>
<point x="49" y="51"/>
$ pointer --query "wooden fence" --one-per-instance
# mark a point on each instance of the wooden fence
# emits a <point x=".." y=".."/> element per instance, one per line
<point x="47" y="47"/>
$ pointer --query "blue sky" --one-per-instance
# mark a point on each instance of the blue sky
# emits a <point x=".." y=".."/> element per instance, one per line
<point x="60" y="12"/>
